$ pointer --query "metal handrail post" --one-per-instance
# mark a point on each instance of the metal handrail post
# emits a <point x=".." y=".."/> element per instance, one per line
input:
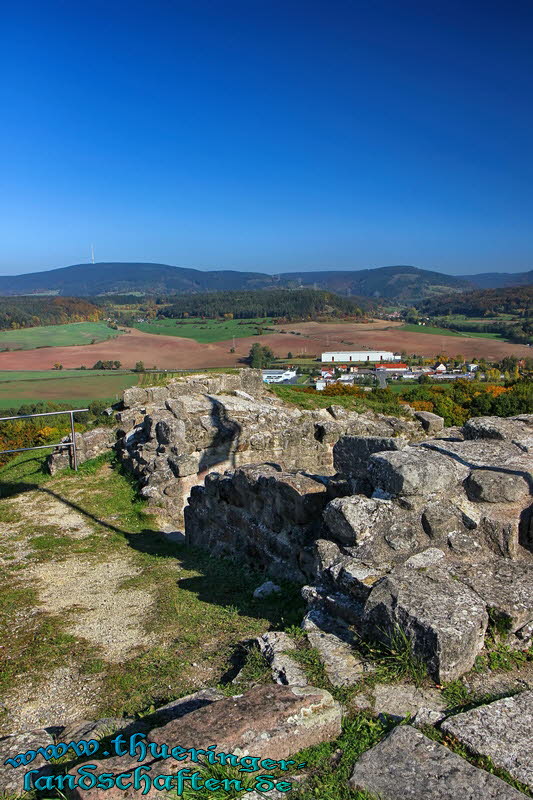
<point x="73" y="440"/>
<point x="71" y="445"/>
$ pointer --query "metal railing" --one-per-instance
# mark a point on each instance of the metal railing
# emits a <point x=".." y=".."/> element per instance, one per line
<point x="71" y="444"/>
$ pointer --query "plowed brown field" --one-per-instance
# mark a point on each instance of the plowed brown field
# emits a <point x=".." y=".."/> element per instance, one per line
<point x="172" y="352"/>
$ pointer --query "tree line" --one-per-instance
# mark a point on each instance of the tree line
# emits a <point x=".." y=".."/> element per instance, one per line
<point x="516" y="300"/>
<point x="30" y="312"/>
<point x="278" y="303"/>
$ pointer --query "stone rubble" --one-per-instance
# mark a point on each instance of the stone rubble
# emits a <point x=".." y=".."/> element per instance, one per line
<point x="396" y="526"/>
<point x="406" y="764"/>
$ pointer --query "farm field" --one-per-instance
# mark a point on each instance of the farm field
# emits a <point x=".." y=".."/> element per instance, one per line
<point x="447" y="332"/>
<point x="68" y="386"/>
<point x="206" y="331"/>
<point x="72" y="333"/>
<point x="302" y="339"/>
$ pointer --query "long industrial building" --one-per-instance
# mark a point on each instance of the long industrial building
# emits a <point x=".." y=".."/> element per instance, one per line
<point x="371" y="356"/>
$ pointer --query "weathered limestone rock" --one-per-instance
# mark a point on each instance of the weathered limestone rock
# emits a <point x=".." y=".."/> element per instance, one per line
<point x="505" y="456"/>
<point x="335" y="643"/>
<point x="493" y="486"/>
<point x="500" y="730"/>
<point x="505" y="586"/>
<point x="499" y="427"/>
<point x="409" y="765"/>
<point x="427" y="558"/>
<point x="431" y="423"/>
<point x="353" y="520"/>
<point x="276" y="647"/>
<point x="445" y="620"/>
<point x="355" y="577"/>
<point x="415" y="471"/>
<point x="12" y="778"/>
<point x="400" y="701"/>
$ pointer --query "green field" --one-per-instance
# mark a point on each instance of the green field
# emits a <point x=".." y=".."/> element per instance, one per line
<point x="447" y="332"/>
<point x="77" y="387"/>
<point x="204" y="331"/>
<point x="56" y="335"/>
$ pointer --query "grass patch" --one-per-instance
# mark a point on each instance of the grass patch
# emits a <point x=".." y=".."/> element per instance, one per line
<point x="395" y="660"/>
<point x="202" y="607"/>
<point x="502" y="658"/>
<point x="330" y="765"/>
<point x="77" y="389"/>
<point x="72" y="333"/>
<point x="205" y="330"/>
<point x="431" y="329"/>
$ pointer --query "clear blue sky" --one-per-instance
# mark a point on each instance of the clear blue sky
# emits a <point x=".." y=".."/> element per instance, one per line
<point x="267" y="135"/>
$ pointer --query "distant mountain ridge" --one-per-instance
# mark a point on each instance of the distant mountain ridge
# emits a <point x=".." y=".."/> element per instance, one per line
<point x="401" y="283"/>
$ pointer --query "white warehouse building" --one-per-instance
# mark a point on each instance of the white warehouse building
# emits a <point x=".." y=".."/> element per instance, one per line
<point x="371" y="356"/>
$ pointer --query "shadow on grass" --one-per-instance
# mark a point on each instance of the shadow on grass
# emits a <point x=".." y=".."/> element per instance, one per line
<point x="221" y="582"/>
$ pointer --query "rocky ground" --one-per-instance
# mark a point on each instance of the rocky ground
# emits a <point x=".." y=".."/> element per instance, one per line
<point x="405" y="668"/>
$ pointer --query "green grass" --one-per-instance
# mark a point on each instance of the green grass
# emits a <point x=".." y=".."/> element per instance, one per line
<point x="201" y="609"/>
<point x="449" y="332"/>
<point x="77" y="387"/>
<point x="204" y="331"/>
<point x="72" y="333"/>
<point x="309" y="402"/>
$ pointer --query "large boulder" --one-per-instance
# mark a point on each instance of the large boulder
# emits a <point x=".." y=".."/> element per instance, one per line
<point x="269" y="721"/>
<point x="499" y="427"/>
<point x="496" y="486"/>
<point x="415" y="471"/>
<point x="444" y="619"/>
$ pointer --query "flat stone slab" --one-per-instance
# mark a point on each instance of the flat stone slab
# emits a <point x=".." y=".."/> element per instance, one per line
<point x="502" y="731"/>
<point x="271" y="721"/>
<point x="409" y="766"/>
<point x="334" y="642"/>
<point x="401" y="700"/>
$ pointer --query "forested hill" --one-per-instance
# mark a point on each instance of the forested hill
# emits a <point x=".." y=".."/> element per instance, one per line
<point x="268" y="303"/>
<point x="29" y="312"/>
<point x="399" y="283"/>
<point x="495" y="280"/>
<point x="516" y="300"/>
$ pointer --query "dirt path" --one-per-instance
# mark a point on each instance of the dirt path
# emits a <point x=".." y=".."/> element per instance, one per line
<point x="84" y="592"/>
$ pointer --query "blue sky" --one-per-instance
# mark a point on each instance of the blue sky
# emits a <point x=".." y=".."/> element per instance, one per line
<point x="270" y="136"/>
